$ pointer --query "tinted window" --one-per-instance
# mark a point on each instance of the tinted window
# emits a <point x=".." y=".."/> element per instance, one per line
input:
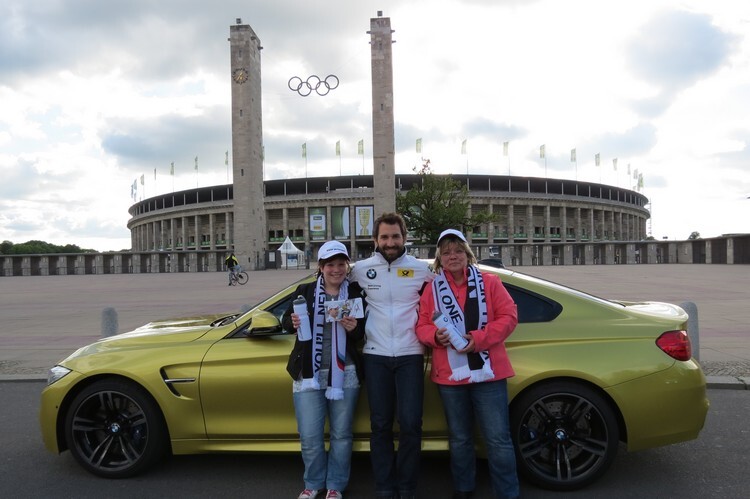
<point x="533" y="307"/>
<point x="281" y="306"/>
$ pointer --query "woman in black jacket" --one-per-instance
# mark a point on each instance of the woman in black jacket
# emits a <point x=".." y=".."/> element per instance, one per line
<point x="327" y="372"/>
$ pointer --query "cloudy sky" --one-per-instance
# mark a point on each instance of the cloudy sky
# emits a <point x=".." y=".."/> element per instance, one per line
<point x="95" y="94"/>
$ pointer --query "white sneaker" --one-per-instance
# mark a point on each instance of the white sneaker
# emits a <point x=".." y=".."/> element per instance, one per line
<point x="334" y="494"/>
<point x="308" y="494"/>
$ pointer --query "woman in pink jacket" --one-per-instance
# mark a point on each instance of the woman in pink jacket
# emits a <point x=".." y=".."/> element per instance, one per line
<point x="469" y="362"/>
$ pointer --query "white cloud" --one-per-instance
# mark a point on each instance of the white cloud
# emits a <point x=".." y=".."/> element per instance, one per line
<point x="662" y="85"/>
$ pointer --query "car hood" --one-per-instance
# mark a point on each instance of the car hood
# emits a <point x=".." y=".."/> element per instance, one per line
<point x="183" y="330"/>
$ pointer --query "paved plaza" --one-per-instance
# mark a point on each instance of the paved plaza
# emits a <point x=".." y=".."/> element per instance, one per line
<point x="46" y="318"/>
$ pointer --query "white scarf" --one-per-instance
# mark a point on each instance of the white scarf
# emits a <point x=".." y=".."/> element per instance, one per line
<point x="335" y="390"/>
<point x="475" y="365"/>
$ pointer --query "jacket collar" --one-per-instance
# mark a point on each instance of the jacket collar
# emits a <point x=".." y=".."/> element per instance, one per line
<point x="399" y="257"/>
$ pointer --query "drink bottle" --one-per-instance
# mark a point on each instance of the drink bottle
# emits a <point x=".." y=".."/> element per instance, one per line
<point x="300" y="308"/>
<point x="456" y="339"/>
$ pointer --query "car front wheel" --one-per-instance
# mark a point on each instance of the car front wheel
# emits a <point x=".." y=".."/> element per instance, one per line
<point x="114" y="429"/>
<point x="566" y="435"/>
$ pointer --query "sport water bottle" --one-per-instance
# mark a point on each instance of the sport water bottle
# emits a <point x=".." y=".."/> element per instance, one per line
<point x="300" y="308"/>
<point x="456" y="339"/>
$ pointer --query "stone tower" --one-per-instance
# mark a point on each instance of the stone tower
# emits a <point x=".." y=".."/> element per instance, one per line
<point x="383" y="138"/>
<point x="247" y="148"/>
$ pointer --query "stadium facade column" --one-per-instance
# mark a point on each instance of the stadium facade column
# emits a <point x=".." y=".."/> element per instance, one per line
<point x="247" y="147"/>
<point x="383" y="137"/>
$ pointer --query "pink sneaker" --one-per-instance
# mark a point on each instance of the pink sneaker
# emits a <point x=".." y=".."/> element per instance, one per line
<point x="334" y="494"/>
<point x="308" y="494"/>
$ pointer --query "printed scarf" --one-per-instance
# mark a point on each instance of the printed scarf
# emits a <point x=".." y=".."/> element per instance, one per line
<point x="475" y="365"/>
<point x="313" y="350"/>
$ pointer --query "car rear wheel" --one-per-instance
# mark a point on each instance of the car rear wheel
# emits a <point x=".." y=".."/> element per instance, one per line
<point x="114" y="429"/>
<point x="566" y="435"/>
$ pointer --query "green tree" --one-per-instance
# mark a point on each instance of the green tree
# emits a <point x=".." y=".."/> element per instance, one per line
<point x="694" y="235"/>
<point x="438" y="203"/>
<point x="36" y="247"/>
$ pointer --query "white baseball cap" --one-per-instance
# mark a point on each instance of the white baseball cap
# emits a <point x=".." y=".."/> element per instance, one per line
<point x="331" y="249"/>
<point x="451" y="232"/>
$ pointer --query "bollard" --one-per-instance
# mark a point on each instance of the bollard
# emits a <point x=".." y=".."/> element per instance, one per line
<point x="109" y="322"/>
<point x="692" y="327"/>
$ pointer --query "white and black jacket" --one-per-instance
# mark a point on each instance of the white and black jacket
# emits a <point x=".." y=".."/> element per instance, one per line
<point x="392" y="291"/>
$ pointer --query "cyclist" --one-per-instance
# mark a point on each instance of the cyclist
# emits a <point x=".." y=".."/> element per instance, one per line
<point x="233" y="267"/>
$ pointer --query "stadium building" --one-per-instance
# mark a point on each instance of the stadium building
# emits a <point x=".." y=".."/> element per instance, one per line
<point x="253" y="217"/>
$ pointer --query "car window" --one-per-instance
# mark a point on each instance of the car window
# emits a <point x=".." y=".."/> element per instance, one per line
<point x="533" y="307"/>
<point x="281" y="306"/>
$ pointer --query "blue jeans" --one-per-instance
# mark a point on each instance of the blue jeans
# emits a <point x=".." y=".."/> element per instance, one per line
<point x="488" y="403"/>
<point x="331" y="470"/>
<point x="233" y="270"/>
<point x="395" y="385"/>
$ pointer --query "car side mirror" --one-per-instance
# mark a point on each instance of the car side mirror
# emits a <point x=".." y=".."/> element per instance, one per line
<point x="263" y="324"/>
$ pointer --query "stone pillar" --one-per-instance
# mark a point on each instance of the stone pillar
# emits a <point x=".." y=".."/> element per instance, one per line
<point x="247" y="147"/>
<point x="172" y="235"/>
<point x="511" y="223"/>
<point x="383" y="135"/>
<point x="197" y="232"/>
<point x="183" y="232"/>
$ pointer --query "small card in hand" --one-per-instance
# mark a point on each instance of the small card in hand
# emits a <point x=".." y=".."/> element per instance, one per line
<point x="338" y="309"/>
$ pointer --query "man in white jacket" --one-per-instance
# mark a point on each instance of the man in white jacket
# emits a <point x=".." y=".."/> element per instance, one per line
<point x="394" y="359"/>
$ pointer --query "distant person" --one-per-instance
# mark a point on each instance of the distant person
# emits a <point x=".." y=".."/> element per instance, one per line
<point x="327" y="371"/>
<point x="471" y="379"/>
<point x="233" y="267"/>
<point x="394" y="359"/>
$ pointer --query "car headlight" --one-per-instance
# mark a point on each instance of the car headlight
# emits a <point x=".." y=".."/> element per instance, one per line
<point x="56" y="373"/>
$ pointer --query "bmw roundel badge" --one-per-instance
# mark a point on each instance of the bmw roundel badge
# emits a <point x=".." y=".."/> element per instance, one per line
<point x="371" y="273"/>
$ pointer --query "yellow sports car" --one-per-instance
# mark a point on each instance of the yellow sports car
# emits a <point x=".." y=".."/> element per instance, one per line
<point x="589" y="373"/>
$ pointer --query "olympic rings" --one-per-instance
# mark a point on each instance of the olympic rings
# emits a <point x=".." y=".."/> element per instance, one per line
<point x="313" y="82"/>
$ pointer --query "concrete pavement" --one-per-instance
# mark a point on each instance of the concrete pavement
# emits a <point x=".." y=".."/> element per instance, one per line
<point x="46" y="318"/>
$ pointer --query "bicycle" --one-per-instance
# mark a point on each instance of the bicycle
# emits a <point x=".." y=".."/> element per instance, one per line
<point x="240" y="277"/>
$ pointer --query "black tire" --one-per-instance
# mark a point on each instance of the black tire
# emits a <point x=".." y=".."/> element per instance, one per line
<point x="242" y="278"/>
<point x="565" y="433"/>
<point x="114" y="429"/>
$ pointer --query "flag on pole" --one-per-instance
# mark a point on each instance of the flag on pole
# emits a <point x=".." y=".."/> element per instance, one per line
<point x="171" y="169"/>
<point x="263" y="152"/>
<point x="614" y="163"/>
<point x="419" y="145"/>
<point x="143" y="179"/>
<point x="640" y="181"/>
<point x="463" y="147"/>
<point x="628" y="168"/>
<point x="338" y="148"/>
<point x="635" y="174"/>
<point x="505" y="148"/>
<point x="154" y="173"/>
<point x="226" y="158"/>
<point x="541" y="151"/>
<point x="304" y="150"/>
<point x="573" y="155"/>
<point x="596" y="159"/>
<point x="196" y="163"/>
<point x="361" y="147"/>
